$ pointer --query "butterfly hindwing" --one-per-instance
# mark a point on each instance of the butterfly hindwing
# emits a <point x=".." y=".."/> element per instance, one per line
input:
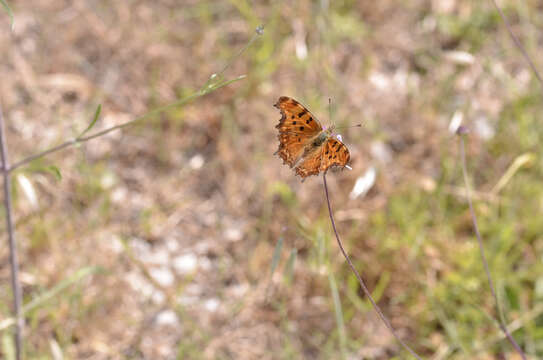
<point x="290" y="148"/>
<point x="311" y="163"/>
<point x="334" y="153"/>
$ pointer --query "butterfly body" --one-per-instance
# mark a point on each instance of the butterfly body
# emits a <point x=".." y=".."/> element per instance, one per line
<point x="304" y="144"/>
<point x="321" y="138"/>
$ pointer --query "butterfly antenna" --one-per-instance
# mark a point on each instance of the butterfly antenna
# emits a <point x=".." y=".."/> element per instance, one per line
<point x="350" y="126"/>
<point x="330" y="118"/>
<point x="330" y="112"/>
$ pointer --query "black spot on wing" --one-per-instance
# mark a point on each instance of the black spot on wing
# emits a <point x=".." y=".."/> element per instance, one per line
<point x="302" y="113"/>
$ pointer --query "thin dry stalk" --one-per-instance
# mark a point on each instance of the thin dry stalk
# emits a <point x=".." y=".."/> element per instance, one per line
<point x="461" y="132"/>
<point x="83" y="139"/>
<point x="464" y="170"/>
<point x="13" y="261"/>
<point x="360" y="281"/>
<point x="518" y="43"/>
<point x="214" y="82"/>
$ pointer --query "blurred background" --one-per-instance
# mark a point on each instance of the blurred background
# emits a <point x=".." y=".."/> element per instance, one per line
<point x="184" y="237"/>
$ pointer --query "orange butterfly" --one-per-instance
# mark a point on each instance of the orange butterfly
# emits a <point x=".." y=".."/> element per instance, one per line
<point x="304" y="144"/>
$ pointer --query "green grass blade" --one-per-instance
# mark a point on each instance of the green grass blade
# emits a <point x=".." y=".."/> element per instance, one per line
<point x="289" y="267"/>
<point x="224" y="83"/>
<point x="57" y="289"/>
<point x="8" y="10"/>
<point x="55" y="171"/>
<point x="276" y="255"/>
<point x="49" y="294"/>
<point x="321" y="248"/>
<point x="339" y="314"/>
<point x="93" y="122"/>
<point x="8" y="348"/>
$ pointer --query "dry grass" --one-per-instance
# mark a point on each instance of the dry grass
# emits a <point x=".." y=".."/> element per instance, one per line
<point x="182" y="212"/>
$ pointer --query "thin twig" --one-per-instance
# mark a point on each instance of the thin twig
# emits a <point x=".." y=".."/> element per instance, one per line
<point x="360" y="281"/>
<point x="518" y="43"/>
<point x="13" y="261"/>
<point x="213" y="83"/>
<point x="464" y="170"/>
<point x="501" y="321"/>
<point x="102" y="132"/>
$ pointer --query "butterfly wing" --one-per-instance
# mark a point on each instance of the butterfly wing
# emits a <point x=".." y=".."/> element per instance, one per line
<point x="297" y="127"/>
<point x="311" y="163"/>
<point x="334" y="153"/>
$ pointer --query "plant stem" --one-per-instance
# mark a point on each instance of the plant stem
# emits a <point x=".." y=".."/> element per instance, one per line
<point x="360" y="281"/>
<point x="85" y="138"/>
<point x="501" y="321"/>
<point x="518" y="43"/>
<point x="100" y="133"/>
<point x="13" y="261"/>
<point x="213" y="83"/>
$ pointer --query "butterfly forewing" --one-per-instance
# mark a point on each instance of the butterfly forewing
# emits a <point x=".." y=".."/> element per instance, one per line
<point x="296" y="118"/>
<point x="297" y="127"/>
